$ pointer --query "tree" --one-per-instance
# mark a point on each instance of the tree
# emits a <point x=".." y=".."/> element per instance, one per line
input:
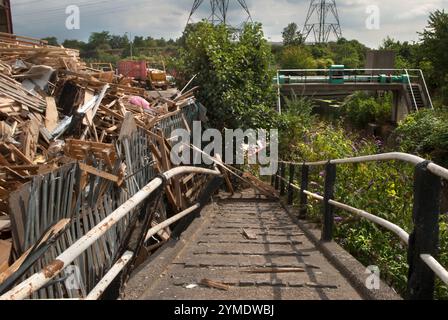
<point x="52" y="41"/>
<point x="97" y="39"/>
<point x="435" y="49"/>
<point x="292" y="36"/>
<point x="119" y="42"/>
<point x="349" y="53"/>
<point x="295" y="57"/>
<point x="74" y="44"/>
<point x="235" y="77"/>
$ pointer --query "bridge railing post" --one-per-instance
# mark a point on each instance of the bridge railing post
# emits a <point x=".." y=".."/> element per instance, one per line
<point x="291" y="182"/>
<point x="282" y="181"/>
<point x="328" y="209"/>
<point x="276" y="180"/>
<point x="304" y="181"/>
<point x="425" y="237"/>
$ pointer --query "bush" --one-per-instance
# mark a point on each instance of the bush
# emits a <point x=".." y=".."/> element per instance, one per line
<point x="297" y="57"/>
<point x="361" y="108"/>
<point x="234" y="76"/>
<point x="425" y="133"/>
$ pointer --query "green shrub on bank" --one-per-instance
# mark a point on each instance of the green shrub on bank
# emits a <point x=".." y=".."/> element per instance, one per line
<point x="426" y="133"/>
<point x="362" y="108"/>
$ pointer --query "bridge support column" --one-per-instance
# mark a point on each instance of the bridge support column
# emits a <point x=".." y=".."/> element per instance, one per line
<point x="425" y="237"/>
<point x="400" y="106"/>
<point x="303" y="213"/>
<point x="330" y="180"/>
<point x="291" y="182"/>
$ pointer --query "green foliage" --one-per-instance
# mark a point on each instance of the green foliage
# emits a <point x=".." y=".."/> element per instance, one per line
<point x="426" y="133"/>
<point x="383" y="189"/>
<point x="435" y="49"/>
<point x="106" y="47"/>
<point x="52" y="41"/>
<point x="234" y="75"/>
<point x="349" y="53"/>
<point x="297" y="57"/>
<point x="362" y="108"/>
<point x="292" y="35"/>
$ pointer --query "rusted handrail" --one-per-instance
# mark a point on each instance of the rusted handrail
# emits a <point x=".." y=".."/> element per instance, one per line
<point x="426" y="212"/>
<point x="38" y="280"/>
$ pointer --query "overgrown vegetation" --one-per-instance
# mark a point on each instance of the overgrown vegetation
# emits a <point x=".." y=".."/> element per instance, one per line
<point x="235" y="77"/>
<point x="383" y="189"/>
<point x="426" y="133"/>
<point x="363" y="108"/>
<point x="110" y="48"/>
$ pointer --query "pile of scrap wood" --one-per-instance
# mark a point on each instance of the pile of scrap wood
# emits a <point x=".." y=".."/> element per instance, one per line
<point x="54" y="110"/>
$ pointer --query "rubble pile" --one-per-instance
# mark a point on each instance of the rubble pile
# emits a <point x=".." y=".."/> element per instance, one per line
<point x="55" y="111"/>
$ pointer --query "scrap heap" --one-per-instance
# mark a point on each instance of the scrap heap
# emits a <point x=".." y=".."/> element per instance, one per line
<point x="55" y="111"/>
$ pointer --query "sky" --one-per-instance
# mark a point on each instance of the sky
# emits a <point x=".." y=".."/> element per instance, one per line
<point x="368" y="21"/>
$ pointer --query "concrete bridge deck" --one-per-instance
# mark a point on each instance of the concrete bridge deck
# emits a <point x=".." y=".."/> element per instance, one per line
<point x="215" y="248"/>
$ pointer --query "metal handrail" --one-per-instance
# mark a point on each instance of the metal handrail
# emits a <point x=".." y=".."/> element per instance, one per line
<point x="426" y="87"/>
<point x="38" y="280"/>
<point x="430" y="261"/>
<point x="412" y="90"/>
<point x="436" y="170"/>
<point x="403" y="235"/>
<point x="391" y="156"/>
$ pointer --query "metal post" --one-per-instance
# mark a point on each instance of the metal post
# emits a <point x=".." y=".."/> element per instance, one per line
<point x="279" y="95"/>
<point x="412" y="90"/>
<point x="291" y="182"/>
<point x="273" y="180"/>
<point x="330" y="180"/>
<point x="303" y="213"/>
<point x="277" y="180"/>
<point x="425" y="237"/>
<point x="282" y="181"/>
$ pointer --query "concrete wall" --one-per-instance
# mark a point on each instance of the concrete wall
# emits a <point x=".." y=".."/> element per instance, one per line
<point x="380" y="59"/>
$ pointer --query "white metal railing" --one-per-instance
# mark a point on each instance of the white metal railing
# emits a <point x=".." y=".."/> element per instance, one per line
<point x="38" y="280"/>
<point x="391" y="156"/>
<point x="435" y="169"/>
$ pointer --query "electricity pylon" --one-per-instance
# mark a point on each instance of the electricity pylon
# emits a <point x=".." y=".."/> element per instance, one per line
<point x="218" y="11"/>
<point x="322" y="21"/>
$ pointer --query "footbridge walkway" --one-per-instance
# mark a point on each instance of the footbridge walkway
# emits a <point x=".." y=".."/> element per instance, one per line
<point x="252" y="245"/>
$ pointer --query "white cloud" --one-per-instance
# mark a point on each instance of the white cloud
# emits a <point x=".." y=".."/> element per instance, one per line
<point x="399" y="19"/>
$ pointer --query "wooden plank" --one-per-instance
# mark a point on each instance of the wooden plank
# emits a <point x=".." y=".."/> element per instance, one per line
<point x="4" y="224"/>
<point x="249" y="235"/>
<point x="215" y="285"/>
<point x="99" y="173"/>
<point x="29" y="138"/>
<point x="51" y="115"/>
<point x="5" y="252"/>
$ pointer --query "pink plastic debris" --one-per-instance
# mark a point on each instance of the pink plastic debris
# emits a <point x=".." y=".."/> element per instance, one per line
<point x="140" y="102"/>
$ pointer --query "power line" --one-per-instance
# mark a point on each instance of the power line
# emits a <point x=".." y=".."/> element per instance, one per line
<point x="57" y="9"/>
<point x="99" y="12"/>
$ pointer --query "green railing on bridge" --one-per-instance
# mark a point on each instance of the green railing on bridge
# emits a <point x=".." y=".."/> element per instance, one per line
<point x="338" y="76"/>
